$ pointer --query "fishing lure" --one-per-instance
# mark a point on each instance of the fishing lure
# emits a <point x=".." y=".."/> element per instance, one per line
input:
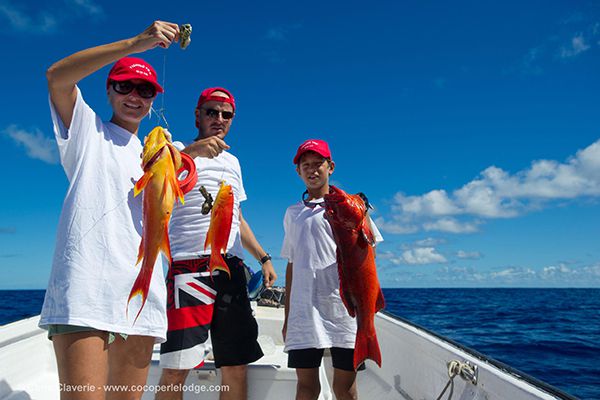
<point x="185" y="33"/>
<point x="208" y="200"/>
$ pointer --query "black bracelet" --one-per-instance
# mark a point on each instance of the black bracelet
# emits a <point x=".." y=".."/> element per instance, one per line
<point x="266" y="258"/>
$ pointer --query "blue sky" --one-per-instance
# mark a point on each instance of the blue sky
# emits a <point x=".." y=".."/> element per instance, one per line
<point x="474" y="127"/>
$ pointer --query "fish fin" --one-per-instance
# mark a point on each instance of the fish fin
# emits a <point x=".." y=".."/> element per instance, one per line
<point x="166" y="244"/>
<point x="140" y="287"/>
<point x="140" y="252"/>
<point x="177" y="189"/>
<point x="380" y="305"/>
<point x="208" y="239"/>
<point x="142" y="182"/>
<point x="344" y="293"/>
<point x="367" y="233"/>
<point x="366" y="346"/>
<point x="175" y="155"/>
<point x="218" y="262"/>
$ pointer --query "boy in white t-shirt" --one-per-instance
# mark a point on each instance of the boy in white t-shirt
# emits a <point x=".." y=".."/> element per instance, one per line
<point x="315" y="317"/>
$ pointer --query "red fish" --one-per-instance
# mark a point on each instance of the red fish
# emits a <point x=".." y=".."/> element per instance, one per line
<point x="359" y="286"/>
<point x="160" y="161"/>
<point x="219" y="229"/>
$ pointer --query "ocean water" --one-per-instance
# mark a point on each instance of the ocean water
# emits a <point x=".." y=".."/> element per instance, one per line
<point x="550" y="334"/>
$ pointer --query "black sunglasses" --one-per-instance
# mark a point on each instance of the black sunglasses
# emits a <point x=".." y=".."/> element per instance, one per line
<point x="145" y="90"/>
<point x="213" y="114"/>
<point x="311" y="204"/>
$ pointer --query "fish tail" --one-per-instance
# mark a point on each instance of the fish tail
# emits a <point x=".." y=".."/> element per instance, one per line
<point x="217" y="262"/>
<point x="366" y="346"/>
<point x="140" y="287"/>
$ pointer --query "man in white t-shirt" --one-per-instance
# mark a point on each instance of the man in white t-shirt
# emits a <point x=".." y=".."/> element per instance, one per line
<point x="198" y="303"/>
<point x="315" y="317"/>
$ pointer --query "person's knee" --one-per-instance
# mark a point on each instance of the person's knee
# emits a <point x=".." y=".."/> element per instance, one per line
<point x="345" y="390"/>
<point x="234" y="372"/>
<point x="173" y="376"/>
<point x="344" y="385"/>
<point x="308" y="390"/>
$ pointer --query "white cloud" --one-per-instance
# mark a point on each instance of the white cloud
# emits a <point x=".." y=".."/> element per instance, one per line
<point x="414" y="256"/>
<point x="20" y="21"/>
<point x="468" y="255"/>
<point x="396" y="227"/>
<point x="577" y="46"/>
<point x="559" y="275"/>
<point x="35" y="143"/>
<point x="36" y="21"/>
<point x="435" y="202"/>
<point x="430" y="242"/>
<point x="423" y="255"/>
<point x="496" y="193"/>
<point x="88" y="7"/>
<point x="451" y="225"/>
<point x="575" y="37"/>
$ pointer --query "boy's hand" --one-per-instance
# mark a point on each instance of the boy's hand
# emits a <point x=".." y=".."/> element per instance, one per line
<point x="269" y="275"/>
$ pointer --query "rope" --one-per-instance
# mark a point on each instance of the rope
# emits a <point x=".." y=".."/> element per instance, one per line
<point x="464" y="370"/>
<point x="453" y="370"/>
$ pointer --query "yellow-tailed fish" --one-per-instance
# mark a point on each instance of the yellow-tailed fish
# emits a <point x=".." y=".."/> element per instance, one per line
<point x="160" y="161"/>
<point x="219" y="229"/>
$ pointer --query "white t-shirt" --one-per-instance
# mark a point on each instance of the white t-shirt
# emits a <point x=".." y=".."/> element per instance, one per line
<point x="317" y="317"/>
<point x="188" y="227"/>
<point x="99" y="232"/>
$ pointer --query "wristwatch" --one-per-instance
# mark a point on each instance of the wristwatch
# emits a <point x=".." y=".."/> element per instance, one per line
<point x="266" y="258"/>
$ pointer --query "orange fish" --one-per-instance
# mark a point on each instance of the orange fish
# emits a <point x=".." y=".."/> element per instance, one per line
<point x="219" y="229"/>
<point x="160" y="161"/>
<point x="359" y="286"/>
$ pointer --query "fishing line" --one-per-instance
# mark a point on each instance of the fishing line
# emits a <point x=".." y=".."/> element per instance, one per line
<point x="160" y="113"/>
<point x="185" y="33"/>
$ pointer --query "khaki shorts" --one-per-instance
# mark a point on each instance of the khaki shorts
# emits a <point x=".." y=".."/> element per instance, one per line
<point x="61" y="329"/>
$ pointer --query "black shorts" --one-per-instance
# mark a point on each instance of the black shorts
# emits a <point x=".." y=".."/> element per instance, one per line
<point x="311" y="358"/>
<point x="196" y="304"/>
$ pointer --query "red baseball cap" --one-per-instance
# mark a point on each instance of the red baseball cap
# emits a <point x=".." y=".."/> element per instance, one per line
<point x="133" y="68"/>
<point x="318" y="146"/>
<point x="207" y="95"/>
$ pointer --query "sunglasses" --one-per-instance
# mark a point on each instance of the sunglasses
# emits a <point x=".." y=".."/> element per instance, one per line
<point x="214" y="114"/>
<point x="311" y="204"/>
<point x="145" y="90"/>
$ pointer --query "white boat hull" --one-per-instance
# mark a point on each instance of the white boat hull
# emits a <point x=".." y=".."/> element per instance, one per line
<point x="414" y="367"/>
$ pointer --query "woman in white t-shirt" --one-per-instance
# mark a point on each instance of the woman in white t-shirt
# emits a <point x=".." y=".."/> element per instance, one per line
<point x="315" y="317"/>
<point x="100" y="225"/>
